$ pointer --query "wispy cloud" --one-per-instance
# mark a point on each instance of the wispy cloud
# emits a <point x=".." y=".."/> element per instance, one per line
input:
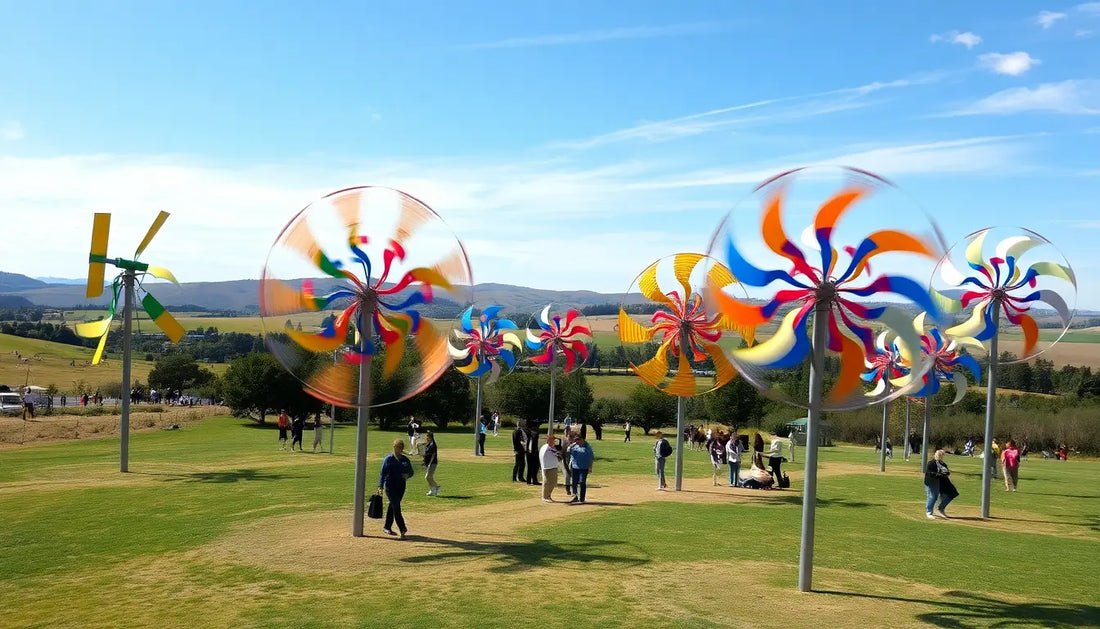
<point x="781" y="109"/>
<point x="1046" y="19"/>
<point x="11" y="131"/>
<point x="1011" y="64"/>
<point x="1091" y="9"/>
<point x="967" y="38"/>
<point x="1065" y="97"/>
<point x="604" y="35"/>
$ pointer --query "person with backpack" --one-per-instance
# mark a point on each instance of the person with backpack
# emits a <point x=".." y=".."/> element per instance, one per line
<point x="396" y="469"/>
<point x="661" y="451"/>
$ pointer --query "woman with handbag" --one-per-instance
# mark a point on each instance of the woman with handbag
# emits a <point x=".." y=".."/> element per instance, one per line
<point x="396" y="469"/>
<point x="937" y="484"/>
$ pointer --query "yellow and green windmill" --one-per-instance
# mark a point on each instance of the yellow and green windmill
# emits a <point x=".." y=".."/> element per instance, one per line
<point x="132" y="277"/>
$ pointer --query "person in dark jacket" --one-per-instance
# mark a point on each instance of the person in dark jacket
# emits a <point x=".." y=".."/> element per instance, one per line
<point x="297" y="427"/>
<point x="431" y="459"/>
<point x="396" y="469"/>
<point x="533" y="465"/>
<point x="519" y="449"/>
<point x="938" y="484"/>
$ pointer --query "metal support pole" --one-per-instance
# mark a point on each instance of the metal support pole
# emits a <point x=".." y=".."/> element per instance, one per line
<point x="882" y="437"/>
<point x="477" y="414"/>
<point x="332" y="418"/>
<point x="809" y="485"/>
<point x="361" y="426"/>
<point x="990" y="410"/>
<point x="127" y="328"/>
<point x="553" y="385"/>
<point x="924" y="437"/>
<point x="905" y="438"/>
<point x="681" y="409"/>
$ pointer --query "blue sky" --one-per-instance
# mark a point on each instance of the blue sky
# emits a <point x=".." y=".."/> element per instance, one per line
<point x="608" y="135"/>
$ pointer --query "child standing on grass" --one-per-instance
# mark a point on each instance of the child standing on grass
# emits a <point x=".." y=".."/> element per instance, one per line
<point x="1010" y="462"/>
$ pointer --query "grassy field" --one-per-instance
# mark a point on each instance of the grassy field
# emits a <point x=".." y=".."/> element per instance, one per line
<point x="217" y="527"/>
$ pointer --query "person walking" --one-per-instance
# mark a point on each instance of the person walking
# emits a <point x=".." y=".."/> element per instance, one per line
<point x="481" y="437"/>
<point x="431" y="459"/>
<point x="284" y="423"/>
<point x="581" y="456"/>
<point x="1010" y="464"/>
<point x="413" y="431"/>
<point x="995" y="459"/>
<point x="661" y="451"/>
<point x="496" y="424"/>
<point x="396" y="469"/>
<point x="937" y="484"/>
<point x="317" y="432"/>
<point x="519" y="450"/>
<point x="626" y="428"/>
<point x="532" y="448"/>
<point x="734" y="448"/>
<point x="549" y="458"/>
<point x="564" y="447"/>
<point x="717" y="451"/>
<point x="297" y="427"/>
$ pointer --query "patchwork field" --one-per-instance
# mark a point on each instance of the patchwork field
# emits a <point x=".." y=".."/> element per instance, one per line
<point x="215" y="526"/>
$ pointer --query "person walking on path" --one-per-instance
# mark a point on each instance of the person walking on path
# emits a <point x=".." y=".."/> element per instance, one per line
<point x="431" y="459"/>
<point x="626" y="428"/>
<point x="481" y="436"/>
<point x="496" y="424"/>
<point x="297" y="427"/>
<point x="284" y="423"/>
<point x="1010" y="462"/>
<point x="734" y="448"/>
<point x="532" y="448"/>
<point x="717" y="451"/>
<point x="565" y="446"/>
<point x="519" y="449"/>
<point x="995" y="459"/>
<point x="937" y="484"/>
<point x="549" y="458"/>
<point x="317" y="432"/>
<point x="581" y="456"/>
<point x="661" y="451"/>
<point x="396" y="469"/>
<point x="413" y="431"/>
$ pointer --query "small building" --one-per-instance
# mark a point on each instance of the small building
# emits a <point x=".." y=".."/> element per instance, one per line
<point x="798" y="432"/>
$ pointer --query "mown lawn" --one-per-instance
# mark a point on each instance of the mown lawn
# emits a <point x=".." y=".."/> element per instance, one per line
<point x="217" y="527"/>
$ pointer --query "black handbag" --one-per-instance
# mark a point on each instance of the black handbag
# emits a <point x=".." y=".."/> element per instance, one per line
<point x="374" y="508"/>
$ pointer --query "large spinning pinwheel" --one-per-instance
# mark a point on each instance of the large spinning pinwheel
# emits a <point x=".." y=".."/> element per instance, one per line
<point x="886" y="369"/>
<point x="558" y="334"/>
<point x="685" y="331"/>
<point x="1004" y="283"/>
<point x="484" y="348"/>
<point x="836" y="290"/>
<point x="376" y="227"/>
<point x="948" y="365"/>
<point x="126" y="283"/>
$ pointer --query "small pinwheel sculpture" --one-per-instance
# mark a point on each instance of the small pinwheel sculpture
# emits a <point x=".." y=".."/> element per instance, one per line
<point x="1004" y="283"/>
<point x="566" y="334"/>
<point x="686" y="331"/>
<point x="385" y="301"/>
<point x="885" y="367"/>
<point x="487" y="347"/>
<point x="836" y="291"/>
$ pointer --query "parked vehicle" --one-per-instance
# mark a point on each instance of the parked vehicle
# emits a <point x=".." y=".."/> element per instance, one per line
<point x="11" y="404"/>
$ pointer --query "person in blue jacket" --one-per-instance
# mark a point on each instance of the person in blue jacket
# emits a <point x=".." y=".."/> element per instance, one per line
<point x="396" y="469"/>
<point x="582" y="456"/>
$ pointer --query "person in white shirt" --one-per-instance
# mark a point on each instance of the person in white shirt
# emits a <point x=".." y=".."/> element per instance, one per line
<point x="734" y="448"/>
<point x="549" y="459"/>
<point x="661" y="450"/>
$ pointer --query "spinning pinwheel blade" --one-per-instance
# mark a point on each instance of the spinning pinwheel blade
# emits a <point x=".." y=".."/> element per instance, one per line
<point x="681" y="329"/>
<point x="550" y="334"/>
<point x="885" y="367"/>
<point x="1024" y="271"/>
<point x="488" y="346"/>
<point x="126" y="283"/>
<point x="842" y="274"/>
<point x="373" y="303"/>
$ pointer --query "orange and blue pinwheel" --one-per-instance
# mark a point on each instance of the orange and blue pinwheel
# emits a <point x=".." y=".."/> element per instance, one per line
<point x="559" y="334"/>
<point x="487" y="347"/>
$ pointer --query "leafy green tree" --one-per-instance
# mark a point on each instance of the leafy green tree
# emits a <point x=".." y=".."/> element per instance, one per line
<point x="738" y="403"/>
<point x="576" y="398"/>
<point x="447" y="400"/>
<point x="609" y="411"/>
<point x="250" y="386"/>
<point x="178" y="372"/>
<point x="524" y="395"/>
<point x="650" y="408"/>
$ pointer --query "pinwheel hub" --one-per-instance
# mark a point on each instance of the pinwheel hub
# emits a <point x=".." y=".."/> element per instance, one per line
<point x="825" y="292"/>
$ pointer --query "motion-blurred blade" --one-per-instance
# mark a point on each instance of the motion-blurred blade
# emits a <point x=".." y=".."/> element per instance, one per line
<point x="153" y="229"/>
<point x="97" y="257"/>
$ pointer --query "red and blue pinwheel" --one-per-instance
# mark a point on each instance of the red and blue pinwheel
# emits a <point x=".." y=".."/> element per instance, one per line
<point x="559" y="333"/>
<point x="487" y="346"/>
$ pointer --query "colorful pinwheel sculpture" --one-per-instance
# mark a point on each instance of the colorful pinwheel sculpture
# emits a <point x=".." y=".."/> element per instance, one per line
<point x="566" y="334"/>
<point x="125" y="283"/>
<point x="485" y="348"/>
<point x="383" y="303"/>
<point x="885" y="367"/>
<point x="1025" y="269"/>
<point x="836" y="289"/>
<point x="686" y="331"/>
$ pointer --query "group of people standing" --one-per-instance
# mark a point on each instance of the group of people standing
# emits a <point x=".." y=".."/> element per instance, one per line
<point x="575" y="458"/>
<point x="296" y="427"/>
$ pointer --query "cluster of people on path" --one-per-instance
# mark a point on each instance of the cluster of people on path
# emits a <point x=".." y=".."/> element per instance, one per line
<point x="296" y="427"/>
<point x="575" y="457"/>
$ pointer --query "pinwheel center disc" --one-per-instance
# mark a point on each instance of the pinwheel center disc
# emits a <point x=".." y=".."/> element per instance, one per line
<point x="825" y="292"/>
<point x="998" y="294"/>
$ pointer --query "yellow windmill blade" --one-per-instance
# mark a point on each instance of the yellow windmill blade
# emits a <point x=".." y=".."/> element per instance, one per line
<point x="97" y="256"/>
<point x="165" y="321"/>
<point x="153" y="229"/>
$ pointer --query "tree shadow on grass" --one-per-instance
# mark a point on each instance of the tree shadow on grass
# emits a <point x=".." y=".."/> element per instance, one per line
<point x="960" y="610"/>
<point x="520" y="556"/>
<point x="228" y="476"/>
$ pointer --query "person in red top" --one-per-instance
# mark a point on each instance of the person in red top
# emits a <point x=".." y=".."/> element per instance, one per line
<point x="284" y="424"/>
<point x="1010" y="463"/>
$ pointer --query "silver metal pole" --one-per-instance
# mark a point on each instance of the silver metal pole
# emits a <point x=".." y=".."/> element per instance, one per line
<point x="127" y="328"/>
<point x="990" y="409"/>
<point x="361" y="426"/>
<point x="882" y="437"/>
<point x="332" y="418"/>
<point x="477" y="414"/>
<point x="680" y="411"/>
<point x="553" y="384"/>
<point x="809" y="485"/>
<point x="927" y="430"/>
<point x="905" y="438"/>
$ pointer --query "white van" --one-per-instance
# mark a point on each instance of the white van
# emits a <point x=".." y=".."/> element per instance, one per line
<point x="11" y="404"/>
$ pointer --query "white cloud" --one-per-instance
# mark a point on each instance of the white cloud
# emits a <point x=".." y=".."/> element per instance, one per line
<point x="1046" y="19"/>
<point x="603" y="35"/>
<point x="1082" y="33"/>
<point x="1065" y="97"/>
<point x="1091" y="9"/>
<point x="11" y="131"/>
<point x="1012" y="64"/>
<point x="967" y="38"/>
